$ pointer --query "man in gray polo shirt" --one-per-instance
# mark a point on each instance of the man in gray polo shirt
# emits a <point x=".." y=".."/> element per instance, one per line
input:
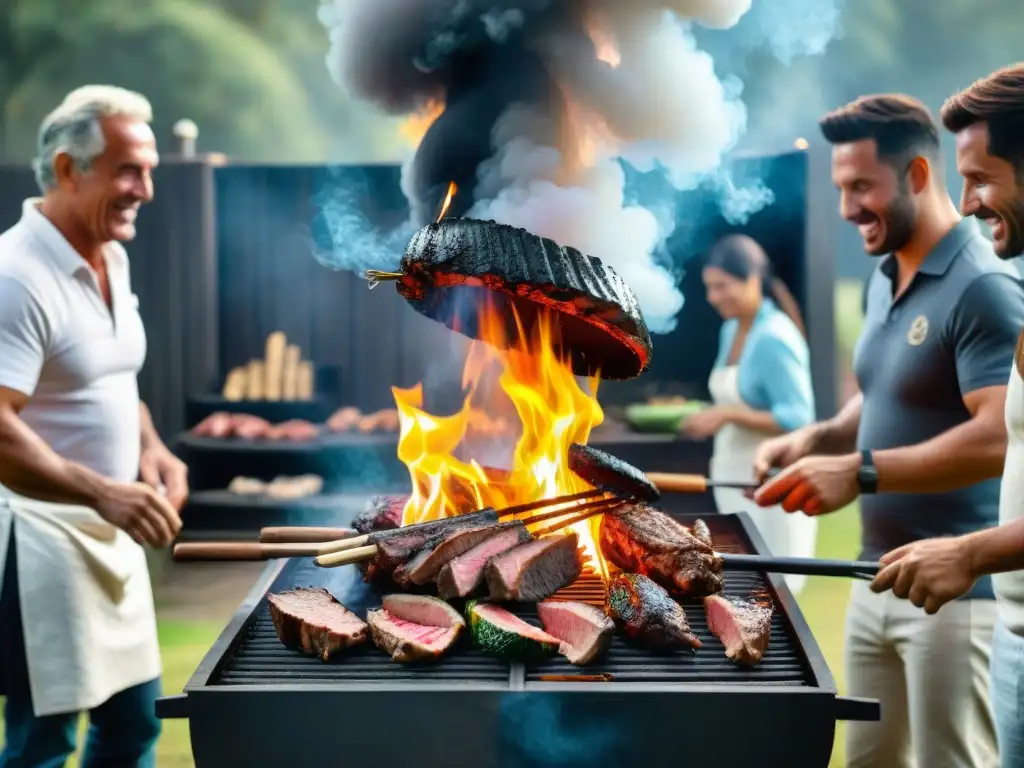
<point x="921" y="441"/>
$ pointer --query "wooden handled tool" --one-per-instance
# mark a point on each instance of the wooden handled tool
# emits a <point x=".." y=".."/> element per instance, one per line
<point x="809" y="566"/>
<point x="303" y="534"/>
<point x="670" y="482"/>
<point x="220" y="551"/>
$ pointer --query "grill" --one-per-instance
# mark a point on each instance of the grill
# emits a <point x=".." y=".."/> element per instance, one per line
<point x="254" y="702"/>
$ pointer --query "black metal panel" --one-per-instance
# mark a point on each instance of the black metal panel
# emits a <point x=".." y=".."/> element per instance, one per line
<point x="16" y="184"/>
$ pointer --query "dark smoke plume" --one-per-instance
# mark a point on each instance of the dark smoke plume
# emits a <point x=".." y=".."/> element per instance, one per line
<point x="542" y="98"/>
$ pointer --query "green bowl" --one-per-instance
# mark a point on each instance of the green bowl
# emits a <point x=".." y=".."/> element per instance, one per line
<point x="661" y="419"/>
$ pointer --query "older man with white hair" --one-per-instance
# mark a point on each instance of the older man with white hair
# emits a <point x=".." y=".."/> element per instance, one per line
<point x="77" y="625"/>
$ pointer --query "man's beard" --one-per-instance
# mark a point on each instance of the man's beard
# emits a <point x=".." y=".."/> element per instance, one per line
<point x="898" y="219"/>
<point x="1012" y="215"/>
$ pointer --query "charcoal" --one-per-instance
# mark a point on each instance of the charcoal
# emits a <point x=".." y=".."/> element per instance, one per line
<point x="456" y="267"/>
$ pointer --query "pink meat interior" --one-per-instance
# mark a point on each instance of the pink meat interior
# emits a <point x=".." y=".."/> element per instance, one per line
<point x="469" y="564"/>
<point x="421" y="610"/>
<point x="574" y="625"/>
<point x="431" y="637"/>
<point x="722" y="622"/>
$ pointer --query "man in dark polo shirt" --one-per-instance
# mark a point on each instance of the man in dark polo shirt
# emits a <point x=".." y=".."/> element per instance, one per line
<point x="988" y="121"/>
<point x="922" y="440"/>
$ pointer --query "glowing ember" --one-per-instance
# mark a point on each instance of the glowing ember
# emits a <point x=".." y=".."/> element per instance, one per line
<point x="415" y="127"/>
<point x="554" y="411"/>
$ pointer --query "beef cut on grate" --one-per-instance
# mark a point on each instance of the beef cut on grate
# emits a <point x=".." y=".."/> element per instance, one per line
<point x="382" y="513"/>
<point x="312" y="621"/>
<point x="464" y="575"/>
<point x="642" y="539"/>
<point x="585" y="631"/>
<point x="414" y="627"/>
<point x="535" y="570"/>
<point x="743" y="626"/>
<point x="456" y="267"/>
<point x="647" y="614"/>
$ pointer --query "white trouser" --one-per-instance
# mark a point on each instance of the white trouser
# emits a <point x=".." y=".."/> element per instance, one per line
<point x="931" y="675"/>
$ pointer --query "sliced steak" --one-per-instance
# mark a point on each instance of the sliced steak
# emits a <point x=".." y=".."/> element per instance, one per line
<point x="642" y="539"/>
<point x="426" y="564"/>
<point x="647" y="613"/>
<point x="743" y="626"/>
<point x="414" y="627"/>
<point x="585" y="631"/>
<point x="312" y="621"/>
<point x="463" y="575"/>
<point x="535" y="570"/>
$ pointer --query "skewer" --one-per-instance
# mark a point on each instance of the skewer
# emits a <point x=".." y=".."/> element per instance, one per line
<point x="302" y="534"/>
<point x="243" y="550"/>
<point x="509" y="512"/>
<point x="359" y="554"/>
<point x="601" y="677"/>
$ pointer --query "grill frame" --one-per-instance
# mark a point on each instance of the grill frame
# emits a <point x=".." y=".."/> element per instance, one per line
<point x="348" y="718"/>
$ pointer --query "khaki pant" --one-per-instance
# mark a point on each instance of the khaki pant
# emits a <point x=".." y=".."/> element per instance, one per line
<point x="931" y="675"/>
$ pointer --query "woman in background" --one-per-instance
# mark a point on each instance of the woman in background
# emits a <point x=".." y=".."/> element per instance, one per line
<point x="760" y="386"/>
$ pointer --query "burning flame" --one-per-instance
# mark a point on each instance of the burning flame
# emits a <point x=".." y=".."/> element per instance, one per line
<point x="604" y="40"/>
<point x="452" y="189"/>
<point x="554" y="411"/>
<point x="415" y="127"/>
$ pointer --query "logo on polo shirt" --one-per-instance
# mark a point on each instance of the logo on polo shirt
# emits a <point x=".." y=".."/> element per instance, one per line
<point x="918" y="331"/>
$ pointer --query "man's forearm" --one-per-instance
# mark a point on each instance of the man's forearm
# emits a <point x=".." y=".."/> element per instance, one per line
<point x="996" y="550"/>
<point x="839" y="434"/>
<point x="959" y="457"/>
<point x="149" y="437"/>
<point x="28" y="466"/>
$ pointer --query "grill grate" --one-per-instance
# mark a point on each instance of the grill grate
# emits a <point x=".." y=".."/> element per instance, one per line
<point x="258" y="658"/>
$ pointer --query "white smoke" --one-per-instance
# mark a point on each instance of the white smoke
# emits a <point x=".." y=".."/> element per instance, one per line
<point x="660" y="106"/>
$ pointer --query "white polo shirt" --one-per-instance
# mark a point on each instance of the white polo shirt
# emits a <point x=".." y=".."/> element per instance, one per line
<point x="62" y="346"/>
<point x="1009" y="587"/>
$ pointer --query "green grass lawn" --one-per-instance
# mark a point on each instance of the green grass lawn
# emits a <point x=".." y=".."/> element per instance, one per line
<point x="823" y="601"/>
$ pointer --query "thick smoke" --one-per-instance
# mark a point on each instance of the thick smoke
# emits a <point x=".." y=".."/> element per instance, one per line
<point x="630" y="84"/>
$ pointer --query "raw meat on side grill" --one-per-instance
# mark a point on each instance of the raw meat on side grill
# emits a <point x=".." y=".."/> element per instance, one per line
<point x="535" y="570"/>
<point x="312" y="621"/>
<point x="426" y="564"/>
<point x="503" y="634"/>
<point x="647" y="613"/>
<point x="642" y="539"/>
<point x="414" y="627"/>
<point x="743" y="626"/>
<point x="585" y="631"/>
<point x="463" y="575"/>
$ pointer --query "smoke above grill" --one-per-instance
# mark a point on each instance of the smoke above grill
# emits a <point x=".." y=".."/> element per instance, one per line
<point x="542" y="99"/>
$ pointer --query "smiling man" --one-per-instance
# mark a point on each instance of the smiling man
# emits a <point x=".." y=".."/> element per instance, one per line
<point x="77" y="624"/>
<point x="924" y="440"/>
<point x="988" y="121"/>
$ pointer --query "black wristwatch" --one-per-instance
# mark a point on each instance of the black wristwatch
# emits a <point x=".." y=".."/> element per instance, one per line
<point x="867" y="475"/>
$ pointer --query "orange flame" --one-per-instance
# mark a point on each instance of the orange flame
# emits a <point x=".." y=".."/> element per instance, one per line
<point x="415" y="127"/>
<point x="452" y="189"/>
<point x="554" y="412"/>
<point x="604" y="40"/>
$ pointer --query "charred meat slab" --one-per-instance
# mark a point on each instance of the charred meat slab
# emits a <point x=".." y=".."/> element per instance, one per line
<point x="743" y="626"/>
<point x="463" y="575"/>
<point x="455" y="267"/>
<point x="382" y="513"/>
<point x="505" y="635"/>
<point x="647" y="613"/>
<point x="610" y="473"/>
<point x="312" y="621"/>
<point x="585" y="631"/>
<point x="535" y="570"/>
<point x="414" y="627"/>
<point x="426" y="564"/>
<point x="642" y="539"/>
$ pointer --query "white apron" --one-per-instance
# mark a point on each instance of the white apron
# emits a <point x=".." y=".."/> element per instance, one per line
<point x="86" y="604"/>
<point x="787" y="535"/>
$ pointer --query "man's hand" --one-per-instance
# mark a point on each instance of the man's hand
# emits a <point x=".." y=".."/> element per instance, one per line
<point x="141" y="511"/>
<point x="783" y="450"/>
<point x="814" y="485"/>
<point x="159" y="467"/>
<point x="929" y="573"/>
<point x="706" y="423"/>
